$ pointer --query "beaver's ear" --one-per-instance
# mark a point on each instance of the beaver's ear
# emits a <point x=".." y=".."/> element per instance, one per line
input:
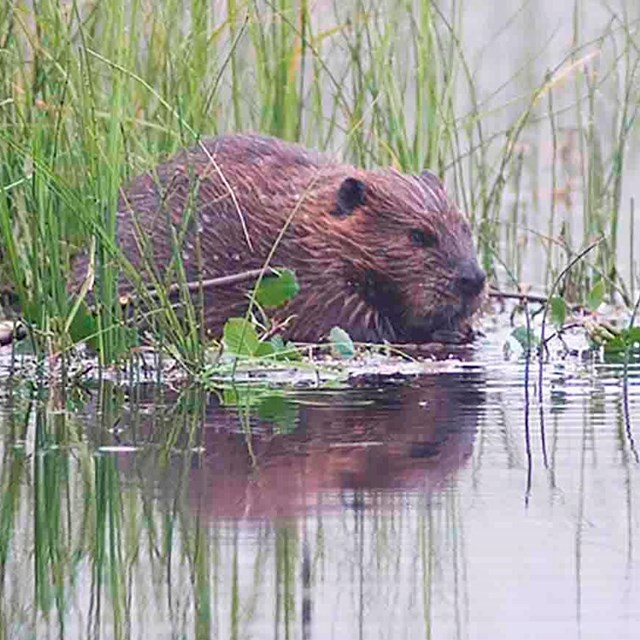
<point x="350" y="195"/>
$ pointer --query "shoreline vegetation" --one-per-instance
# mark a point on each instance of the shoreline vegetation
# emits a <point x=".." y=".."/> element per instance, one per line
<point x="94" y="94"/>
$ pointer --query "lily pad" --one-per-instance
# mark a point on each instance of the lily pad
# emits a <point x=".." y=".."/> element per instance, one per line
<point x="240" y="337"/>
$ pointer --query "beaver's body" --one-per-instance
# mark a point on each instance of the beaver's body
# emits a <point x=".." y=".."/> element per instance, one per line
<point x="383" y="255"/>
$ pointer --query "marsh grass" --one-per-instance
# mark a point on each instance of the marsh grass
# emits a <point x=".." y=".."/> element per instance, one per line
<point x="70" y="511"/>
<point x="93" y="94"/>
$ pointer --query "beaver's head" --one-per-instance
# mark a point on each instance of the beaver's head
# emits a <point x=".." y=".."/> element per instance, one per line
<point x="413" y="258"/>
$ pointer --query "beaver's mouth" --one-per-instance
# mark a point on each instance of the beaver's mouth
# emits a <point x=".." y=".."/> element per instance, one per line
<point x="449" y="321"/>
<point x="452" y="323"/>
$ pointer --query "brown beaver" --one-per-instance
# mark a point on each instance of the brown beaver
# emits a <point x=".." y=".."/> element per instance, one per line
<point x="385" y="256"/>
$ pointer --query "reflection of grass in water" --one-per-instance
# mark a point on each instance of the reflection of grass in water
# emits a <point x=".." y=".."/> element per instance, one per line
<point x="90" y="99"/>
<point x="83" y="532"/>
<point x="98" y="548"/>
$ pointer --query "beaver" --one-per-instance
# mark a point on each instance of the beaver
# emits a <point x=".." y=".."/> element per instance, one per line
<point x="384" y="255"/>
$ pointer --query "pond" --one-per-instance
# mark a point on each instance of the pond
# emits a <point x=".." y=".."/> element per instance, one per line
<point x="445" y="505"/>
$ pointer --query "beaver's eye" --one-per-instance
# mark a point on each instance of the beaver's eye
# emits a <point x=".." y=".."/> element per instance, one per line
<point x="421" y="238"/>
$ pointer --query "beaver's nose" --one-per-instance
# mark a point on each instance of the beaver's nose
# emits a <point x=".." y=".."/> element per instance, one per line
<point x="471" y="279"/>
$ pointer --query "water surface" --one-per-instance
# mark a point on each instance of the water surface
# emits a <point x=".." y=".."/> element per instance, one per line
<point x="432" y="506"/>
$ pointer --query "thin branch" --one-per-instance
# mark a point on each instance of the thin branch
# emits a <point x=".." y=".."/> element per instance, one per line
<point x="221" y="281"/>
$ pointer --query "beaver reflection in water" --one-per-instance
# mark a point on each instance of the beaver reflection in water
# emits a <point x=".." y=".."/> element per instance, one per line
<point x="385" y="256"/>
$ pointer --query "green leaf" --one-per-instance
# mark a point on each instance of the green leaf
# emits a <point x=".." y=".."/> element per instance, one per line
<point x="632" y="336"/>
<point x="240" y="338"/>
<point x="278" y="409"/>
<point x="277" y="342"/>
<point x="241" y="397"/>
<point x="32" y="313"/>
<point x="627" y="339"/>
<point x="284" y="351"/>
<point x="265" y="403"/>
<point x="341" y="343"/>
<point x="558" y="309"/>
<point x="596" y="295"/>
<point x="275" y="290"/>
<point x="265" y="349"/>
<point x="615" y="345"/>
<point x="526" y="339"/>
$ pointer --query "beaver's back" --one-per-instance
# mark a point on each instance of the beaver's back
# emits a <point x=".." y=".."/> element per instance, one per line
<point x="254" y="150"/>
<point x="218" y="207"/>
<point x="218" y="174"/>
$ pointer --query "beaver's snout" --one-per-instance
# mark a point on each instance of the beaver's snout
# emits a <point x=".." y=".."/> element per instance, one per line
<point x="470" y="279"/>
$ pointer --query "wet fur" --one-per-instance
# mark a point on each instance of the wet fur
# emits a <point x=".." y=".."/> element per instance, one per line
<point x="351" y="248"/>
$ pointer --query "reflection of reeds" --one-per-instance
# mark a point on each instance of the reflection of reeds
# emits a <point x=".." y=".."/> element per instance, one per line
<point x="97" y="544"/>
<point x="92" y="96"/>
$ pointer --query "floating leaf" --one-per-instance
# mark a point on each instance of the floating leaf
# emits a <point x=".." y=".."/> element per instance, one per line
<point x="633" y="337"/>
<point x="558" y="309"/>
<point x="341" y="343"/>
<point x="284" y="351"/>
<point x="276" y="408"/>
<point x="242" y="396"/>
<point x="277" y="342"/>
<point x="596" y="295"/>
<point x="265" y="403"/>
<point x="84" y="326"/>
<point x="615" y="345"/>
<point x="276" y="289"/>
<point x="265" y="349"/>
<point x="240" y="338"/>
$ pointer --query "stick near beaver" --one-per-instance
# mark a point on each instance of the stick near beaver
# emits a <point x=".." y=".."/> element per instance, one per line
<point x="384" y="255"/>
